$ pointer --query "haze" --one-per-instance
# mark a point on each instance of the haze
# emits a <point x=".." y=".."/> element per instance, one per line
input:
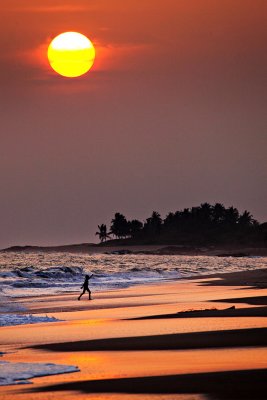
<point x="172" y="114"/>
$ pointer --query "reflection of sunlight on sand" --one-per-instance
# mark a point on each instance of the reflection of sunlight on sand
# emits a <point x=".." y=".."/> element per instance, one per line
<point x="117" y="364"/>
<point x="101" y="318"/>
<point x="102" y="365"/>
<point x="75" y="331"/>
<point x="90" y="322"/>
<point x="124" y="364"/>
<point x="69" y="395"/>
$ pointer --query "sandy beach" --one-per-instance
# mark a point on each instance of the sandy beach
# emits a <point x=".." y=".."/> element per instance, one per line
<point x="133" y="169"/>
<point x="185" y="339"/>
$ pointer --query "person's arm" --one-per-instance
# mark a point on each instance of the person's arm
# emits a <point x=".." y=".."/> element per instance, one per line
<point x="91" y="276"/>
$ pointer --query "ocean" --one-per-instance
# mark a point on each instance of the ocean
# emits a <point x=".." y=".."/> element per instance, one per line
<point x="39" y="273"/>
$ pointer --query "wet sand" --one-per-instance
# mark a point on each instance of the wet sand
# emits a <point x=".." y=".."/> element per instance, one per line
<point x="176" y="340"/>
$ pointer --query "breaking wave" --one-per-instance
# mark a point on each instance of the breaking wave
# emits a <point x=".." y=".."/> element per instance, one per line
<point x="20" y="373"/>
<point x="39" y="273"/>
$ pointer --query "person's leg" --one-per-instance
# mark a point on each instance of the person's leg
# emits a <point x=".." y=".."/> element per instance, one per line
<point x="90" y="298"/>
<point x="81" y="294"/>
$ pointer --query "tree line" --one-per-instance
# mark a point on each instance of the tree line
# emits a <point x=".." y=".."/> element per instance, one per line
<point x="205" y="224"/>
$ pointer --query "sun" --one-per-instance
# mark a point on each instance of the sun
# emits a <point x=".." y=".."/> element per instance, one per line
<point x="71" y="54"/>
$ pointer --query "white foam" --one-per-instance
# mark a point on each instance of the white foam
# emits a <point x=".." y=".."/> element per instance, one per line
<point x="19" y="373"/>
<point x="35" y="273"/>
<point x="23" y="319"/>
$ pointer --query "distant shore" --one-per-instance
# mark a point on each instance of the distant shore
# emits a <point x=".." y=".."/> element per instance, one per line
<point x="114" y="248"/>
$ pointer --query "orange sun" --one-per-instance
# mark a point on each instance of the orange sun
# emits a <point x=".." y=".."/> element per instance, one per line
<point x="71" y="54"/>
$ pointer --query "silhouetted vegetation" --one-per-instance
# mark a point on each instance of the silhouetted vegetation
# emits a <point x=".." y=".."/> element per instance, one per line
<point x="203" y="225"/>
<point x="103" y="233"/>
<point x="120" y="227"/>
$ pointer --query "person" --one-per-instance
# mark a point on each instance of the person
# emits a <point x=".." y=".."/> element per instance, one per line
<point x="85" y="287"/>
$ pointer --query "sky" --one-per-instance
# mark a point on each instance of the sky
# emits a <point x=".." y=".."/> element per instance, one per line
<point x="172" y="114"/>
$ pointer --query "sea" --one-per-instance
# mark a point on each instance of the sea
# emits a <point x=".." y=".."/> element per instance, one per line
<point x="39" y="273"/>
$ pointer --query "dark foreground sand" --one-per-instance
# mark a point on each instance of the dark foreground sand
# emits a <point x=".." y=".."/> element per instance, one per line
<point x="249" y="384"/>
<point x="186" y="340"/>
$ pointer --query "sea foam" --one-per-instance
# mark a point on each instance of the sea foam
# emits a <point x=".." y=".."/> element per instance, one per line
<point x="38" y="274"/>
<point x="20" y="373"/>
<point x="23" y="319"/>
<point x="35" y="273"/>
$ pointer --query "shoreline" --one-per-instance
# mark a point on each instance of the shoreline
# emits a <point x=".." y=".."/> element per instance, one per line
<point x="205" y="346"/>
<point x="134" y="249"/>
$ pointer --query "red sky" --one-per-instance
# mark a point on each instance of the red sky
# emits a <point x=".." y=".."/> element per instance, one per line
<point x="172" y="114"/>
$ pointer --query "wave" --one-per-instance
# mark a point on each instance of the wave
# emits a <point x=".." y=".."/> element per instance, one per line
<point x="23" y="274"/>
<point x="23" y="319"/>
<point x="35" y="274"/>
<point x="20" y="373"/>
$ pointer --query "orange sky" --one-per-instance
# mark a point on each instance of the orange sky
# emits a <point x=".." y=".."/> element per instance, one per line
<point x="150" y="36"/>
<point x="172" y="114"/>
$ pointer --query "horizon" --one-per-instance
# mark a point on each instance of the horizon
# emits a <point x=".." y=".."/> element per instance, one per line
<point x="171" y="115"/>
<point x="114" y="238"/>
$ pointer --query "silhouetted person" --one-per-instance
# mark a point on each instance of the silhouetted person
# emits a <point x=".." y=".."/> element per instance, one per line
<point x="85" y="287"/>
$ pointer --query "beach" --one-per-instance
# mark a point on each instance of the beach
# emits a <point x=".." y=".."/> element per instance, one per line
<point x="184" y="339"/>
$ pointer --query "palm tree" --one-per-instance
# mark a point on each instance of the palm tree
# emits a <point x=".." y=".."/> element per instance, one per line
<point x="119" y="226"/>
<point x="153" y="224"/>
<point x="218" y="213"/>
<point x="231" y="216"/>
<point x="205" y="211"/>
<point x="103" y="234"/>
<point x="245" y="219"/>
<point x="135" y="227"/>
